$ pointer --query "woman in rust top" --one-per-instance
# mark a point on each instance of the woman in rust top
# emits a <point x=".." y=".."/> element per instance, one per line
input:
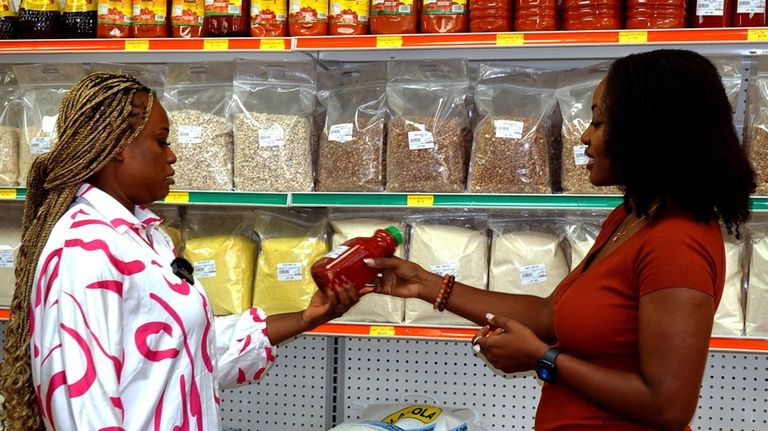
<point x="622" y="342"/>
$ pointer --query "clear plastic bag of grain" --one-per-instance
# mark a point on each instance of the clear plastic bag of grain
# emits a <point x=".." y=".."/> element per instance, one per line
<point x="510" y="151"/>
<point x="757" y="126"/>
<point x="574" y="94"/>
<point x="756" y="318"/>
<point x="273" y="109"/>
<point x="729" y="316"/>
<point x="198" y="97"/>
<point x="10" y="240"/>
<point x="9" y="130"/>
<point x="729" y="67"/>
<point x="41" y="88"/>
<point x="351" y="148"/>
<point x="581" y="230"/>
<point x="428" y="135"/>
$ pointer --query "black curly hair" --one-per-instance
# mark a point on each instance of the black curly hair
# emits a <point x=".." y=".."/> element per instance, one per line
<point x="671" y="138"/>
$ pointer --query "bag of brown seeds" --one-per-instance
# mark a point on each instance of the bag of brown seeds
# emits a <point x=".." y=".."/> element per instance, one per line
<point x="9" y="130"/>
<point x="757" y="127"/>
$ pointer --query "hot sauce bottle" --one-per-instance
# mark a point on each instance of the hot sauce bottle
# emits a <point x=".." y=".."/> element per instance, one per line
<point x="344" y="264"/>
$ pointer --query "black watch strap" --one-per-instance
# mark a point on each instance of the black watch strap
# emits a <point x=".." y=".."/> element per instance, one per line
<point x="545" y="368"/>
<point x="550" y="355"/>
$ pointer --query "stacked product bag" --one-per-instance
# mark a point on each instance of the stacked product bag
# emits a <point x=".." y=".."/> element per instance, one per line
<point x="375" y="308"/>
<point x="729" y="68"/>
<point x="274" y="104"/>
<point x="10" y="238"/>
<point x="290" y="241"/>
<point x="756" y="318"/>
<point x="428" y="135"/>
<point x="449" y="243"/>
<point x="729" y="317"/>
<point x="510" y="151"/>
<point x="527" y="255"/>
<point x="412" y="417"/>
<point x="171" y="224"/>
<point x="221" y="248"/>
<point x="198" y="97"/>
<point x="757" y="126"/>
<point x="351" y="149"/>
<point x="41" y="87"/>
<point x="9" y="127"/>
<point x="581" y="230"/>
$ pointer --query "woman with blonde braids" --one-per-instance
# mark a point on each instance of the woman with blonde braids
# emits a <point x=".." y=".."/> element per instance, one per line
<point x="104" y="334"/>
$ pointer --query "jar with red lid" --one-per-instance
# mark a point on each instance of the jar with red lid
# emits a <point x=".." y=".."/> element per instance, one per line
<point x="592" y="14"/>
<point x="394" y="16"/>
<point x="490" y="15"/>
<point x="187" y="18"/>
<point x="444" y="16"/>
<point x="650" y="14"/>
<point x="9" y="25"/>
<point x="39" y="19"/>
<point x="536" y="15"/>
<point x="749" y="13"/>
<point x="308" y="18"/>
<point x="712" y="13"/>
<point x="348" y="17"/>
<point x="114" y="19"/>
<point x="226" y="18"/>
<point x="269" y="18"/>
<point x="150" y="18"/>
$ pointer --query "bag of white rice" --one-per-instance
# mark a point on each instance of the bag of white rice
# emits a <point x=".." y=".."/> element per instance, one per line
<point x="10" y="238"/>
<point x="729" y="318"/>
<point x="581" y="232"/>
<point x="756" y="318"/>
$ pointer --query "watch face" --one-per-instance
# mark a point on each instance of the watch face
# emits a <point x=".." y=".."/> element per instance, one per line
<point x="545" y="372"/>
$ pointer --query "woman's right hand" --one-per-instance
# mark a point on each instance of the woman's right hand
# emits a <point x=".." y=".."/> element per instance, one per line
<point x="399" y="277"/>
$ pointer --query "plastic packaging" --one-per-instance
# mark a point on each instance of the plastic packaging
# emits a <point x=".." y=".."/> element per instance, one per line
<point x="444" y="16"/>
<point x="344" y="264"/>
<point x="510" y="152"/>
<point x="592" y="14"/>
<point x="729" y="316"/>
<point x="9" y="22"/>
<point x="749" y="13"/>
<point x="150" y="18"/>
<point x="197" y="97"/>
<point x="712" y="13"/>
<point x="9" y="127"/>
<point x="756" y="319"/>
<point x="536" y="15"/>
<point x="351" y="149"/>
<point x="648" y="14"/>
<point x="581" y="230"/>
<point x="394" y="16"/>
<point x="757" y="126"/>
<point x="308" y="18"/>
<point x="348" y="17"/>
<point x="114" y="19"/>
<point x="79" y="19"/>
<point x="490" y="15"/>
<point x="273" y="107"/>
<point x="428" y="136"/>
<point x="39" y="19"/>
<point x="269" y="18"/>
<point x="187" y="18"/>
<point x="10" y="239"/>
<point x="226" y="18"/>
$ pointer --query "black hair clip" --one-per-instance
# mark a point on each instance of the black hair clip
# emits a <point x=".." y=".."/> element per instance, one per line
<point x="183" y="269"/>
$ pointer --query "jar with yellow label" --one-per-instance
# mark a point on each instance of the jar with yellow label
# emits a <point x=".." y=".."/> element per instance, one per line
<point x="79" y="19"/>
<point x="9" y="26"/>
<point x="39" y="19"/>
<point x="187" y="18"/>
<point x="114" y="19"/>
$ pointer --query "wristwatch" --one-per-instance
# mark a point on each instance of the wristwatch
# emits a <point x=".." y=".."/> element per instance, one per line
<point x="545" y="368"/>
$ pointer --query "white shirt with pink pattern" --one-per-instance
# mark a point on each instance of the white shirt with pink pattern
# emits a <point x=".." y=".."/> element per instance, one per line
<point x="121" y="343"/>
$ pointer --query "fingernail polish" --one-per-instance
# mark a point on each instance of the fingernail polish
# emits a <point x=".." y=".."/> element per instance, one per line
<point x="476" y="348"/>
<point x="489" y="316"/>
<point x="368" y="261"/>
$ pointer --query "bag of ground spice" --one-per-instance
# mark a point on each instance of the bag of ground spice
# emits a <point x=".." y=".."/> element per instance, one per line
<point x="428" y="135"/>
<point x="510" y="151"/>
<point x="197" y="97"/>
<point x="351" y="149"/>
<point x="273" y="111"/>
<point x="9" y="127"/>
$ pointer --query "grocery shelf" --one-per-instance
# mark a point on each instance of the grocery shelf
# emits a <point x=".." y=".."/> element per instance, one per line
<point x="135" y="45"/>
<point x="227" y="198"/>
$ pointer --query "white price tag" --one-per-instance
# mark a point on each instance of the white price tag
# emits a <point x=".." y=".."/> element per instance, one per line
<point x="205" y="269"/>
<point x="40" y="145"/>
<point x="579" y="156"/>
<point x="272" y="137"/>
<point x="190" y="134"/>
<point x="533" y="274"/>
<point x="336" y="252"/>
<point x="420" y="140"/>
<point x="6" y="257"/>
<point x="710" y="7"/>
<point x="341" y="132"/>
<point x="289" y="272"/>
<point x="49" y="123"/>
<point x="750" y="6"/>
<point x="508" y="129"/>
<point x="445" y="268"/>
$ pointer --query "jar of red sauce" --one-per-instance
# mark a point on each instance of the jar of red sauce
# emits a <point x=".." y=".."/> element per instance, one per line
<point x="269" y="18"/>
<point x="150" y="18"/>
<point x="536" y="15"/>
<point x="308" y="18"/>
<point x="592" y="14"/>
<point x="444" y="16"/>
<point x="650" y="14"/>
<point x="394" y="16"/>
<point x="490" y="15"/>
<point x="348" y="17"/>
<point x="712" y="13"/>
<point x="226" y="18"/>
<point x="114" y="19"/>
<point x="187" y="18"/>
<point x="749" y="13"/>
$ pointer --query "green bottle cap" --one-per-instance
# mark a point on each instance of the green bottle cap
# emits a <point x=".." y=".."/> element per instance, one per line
<point x="395" y="234"/>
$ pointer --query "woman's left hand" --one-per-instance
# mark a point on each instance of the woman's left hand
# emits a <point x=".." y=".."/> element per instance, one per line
<point x="508" y="345"/>
<point x="332" y="303"/>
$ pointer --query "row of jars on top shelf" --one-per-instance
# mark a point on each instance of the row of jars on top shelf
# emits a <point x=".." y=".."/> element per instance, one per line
<point x="276" y="18"/>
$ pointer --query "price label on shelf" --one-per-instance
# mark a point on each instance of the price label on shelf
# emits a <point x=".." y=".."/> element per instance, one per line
<point x="420" y="200"/>
<point x="215" y="44"/>
<point x="272" y="44"/>
<point x="137" y="45"/>
<point x="389" y="41"/>
<point x="382" y="331"/>
<point x="633" y="37"/>
<point x="8" y="194"/>
<point x="757" y="34"/>
<point x="510" y="39"/>
<point x="177" y="198"/>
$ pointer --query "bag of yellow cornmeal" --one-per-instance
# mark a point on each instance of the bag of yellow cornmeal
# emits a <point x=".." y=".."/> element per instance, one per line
<point x="283" y="282"/>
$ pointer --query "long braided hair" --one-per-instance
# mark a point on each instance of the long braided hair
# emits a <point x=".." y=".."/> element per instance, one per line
<point x="97" y="119"/>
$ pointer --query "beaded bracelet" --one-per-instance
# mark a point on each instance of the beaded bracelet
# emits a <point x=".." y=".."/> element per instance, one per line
<point x="445" y="291"/>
